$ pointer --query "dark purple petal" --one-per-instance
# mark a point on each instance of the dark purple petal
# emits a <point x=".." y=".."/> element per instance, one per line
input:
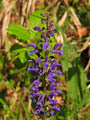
<point x="45" y="38"/>
<point x="35" y="88"/>
<point x="45" y="46"/>
<point x="51" y="79"/>
<point x="42" y="35"/>
<point x="53" y="86"/>
<point x="60" y="52"/>
<point x="58" y="91"/>
<point x="58" y="72"/>
<point x="56" y="45"/>
<point x="31" y="53"/>
<point x="51" y="34"/>
<point x="37" y="111"/>
<point x="32" y="95"/>
<point x="53" y="101"/>
<point x="55" y="31"/>
<point x="52" y="75"/>
<point x="32" y="44"/>
<point x="57" y="108"/>
<point x="40" y="100"/>
<point x="38" y="60"/>
<point x="45" y="65"/>
<point x="36" y="83"/>
<point x="51" y="113"/>
<point x="36" y="51"/>
<point x="32" y="68"/>
<point x="37" y="28"/>
<point x="52" y="27"/>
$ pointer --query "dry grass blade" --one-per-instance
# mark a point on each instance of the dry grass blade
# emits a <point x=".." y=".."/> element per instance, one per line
<point x="62" y="20"/>
<point x="76" y="22"/>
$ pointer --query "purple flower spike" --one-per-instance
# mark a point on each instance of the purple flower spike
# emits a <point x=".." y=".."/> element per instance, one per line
<point x="56" y="45"/>
<point x="51" y="113"/>
<point x="33" y="45"/>
<point x="37" y="28"/>
<point x="44" y="70"/>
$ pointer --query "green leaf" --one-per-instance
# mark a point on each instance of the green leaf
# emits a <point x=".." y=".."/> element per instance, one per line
<point x="35" y="20"/>
<point x="22" y="103"/>
<point x="19" y="31"/>
<point x="8" y="108"/>
<point x="50" y="54"/>
<point x="22" y="57"/>
<point x="42" y="54"/>
<point x="1" y="62"/>
<point x="16" y="48"/>
<point x="34" y="56"/>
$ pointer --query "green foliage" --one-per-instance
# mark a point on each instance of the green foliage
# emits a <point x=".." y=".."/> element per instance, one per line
<point x="8" y="108"/>
<point x="19" y="32"/>
<point x="35" y="20"/>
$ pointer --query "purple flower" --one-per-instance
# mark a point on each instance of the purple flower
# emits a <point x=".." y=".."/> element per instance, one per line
<point x="51" y="79"/>
<point x="36" y="83"/>
<point x="51" y="113"/>
<point x="57" y="108"/>
<point x="53" y="101"/>
<point x="45" y="38"/>
<point x="52" y="75"/>
<point x="31" y="52"/>
<point x="45" y="65"/>
<point x="33" y="95"/>
<point x="60" y="52"/>
<point x="32" y="44"/>
<point x="56" y="45"/>
<point x="51" y="34"/>
<point x="37" y="111"/>
<point x="55" y="31"/>
<point x="58" y="91"/>
<point x="37" y="28"/>
<point x="53" y="86"/>
<point x="58" y="72"/>
<point x="45" y="46"/>
<point x="38" y="60"/>
<point x="35" y="88"/>
<point x="32" y="68"/>
<point x="40" y="100"/>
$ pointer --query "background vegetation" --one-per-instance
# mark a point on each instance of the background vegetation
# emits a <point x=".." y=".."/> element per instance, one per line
<point x="72" y="20"/>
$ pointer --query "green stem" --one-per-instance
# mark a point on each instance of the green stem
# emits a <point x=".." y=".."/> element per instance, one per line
<point x="67" y="95"/>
